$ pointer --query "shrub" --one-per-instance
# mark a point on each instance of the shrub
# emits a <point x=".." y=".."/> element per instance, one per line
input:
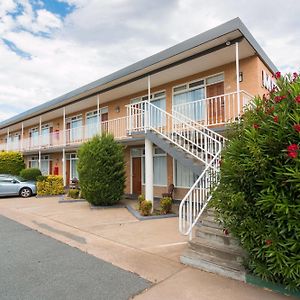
<point x="11" y="163"/>
<point x="74" y="193"/>
<point x="50" y="185"/>
<point x="30" y="174"/>
<point x="101" y="169"/>
<point x="165" y="205"/>
<point x="146" y="207"/>
<point x="259" y="193"/>
<point x="141" y="198"/>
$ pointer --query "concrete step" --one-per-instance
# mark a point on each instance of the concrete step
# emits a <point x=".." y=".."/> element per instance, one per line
<point x="213" y="264"/>
<point x="215" y="235"/>
<point x="225" y="252"/>
<point x="210" y="221"/>
<point x="211" y="212"/>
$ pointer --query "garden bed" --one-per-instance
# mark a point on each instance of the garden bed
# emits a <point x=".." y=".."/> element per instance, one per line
<point x="156" y="214"/>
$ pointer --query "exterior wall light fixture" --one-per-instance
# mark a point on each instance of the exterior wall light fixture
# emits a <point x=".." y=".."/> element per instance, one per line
<point x="241" y="77"/>
<point x="117" y="109"/>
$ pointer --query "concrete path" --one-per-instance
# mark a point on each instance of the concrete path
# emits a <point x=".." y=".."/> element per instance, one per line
<point x="34" y="266"/>
<point x="149" y="248"/>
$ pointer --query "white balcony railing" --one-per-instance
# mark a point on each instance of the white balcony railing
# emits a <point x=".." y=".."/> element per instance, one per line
<point x="73" y="136"/>
<point x="217" y="110"/>
<point x="213" y="111"/>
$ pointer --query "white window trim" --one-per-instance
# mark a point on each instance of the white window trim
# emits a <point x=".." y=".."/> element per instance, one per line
<point x="95" y="112"/>
<point x="196" y="87"/>
<point x="139" y="99"/>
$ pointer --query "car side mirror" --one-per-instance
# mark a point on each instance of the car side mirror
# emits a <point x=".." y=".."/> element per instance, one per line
<point x="14" y="181"/>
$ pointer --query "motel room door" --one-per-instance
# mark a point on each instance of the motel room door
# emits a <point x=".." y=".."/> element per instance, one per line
<point x="216" y="111"/>
<point x="137" y="175"/>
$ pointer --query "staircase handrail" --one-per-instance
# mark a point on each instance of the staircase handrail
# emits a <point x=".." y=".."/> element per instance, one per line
<point x="187" y="198"/>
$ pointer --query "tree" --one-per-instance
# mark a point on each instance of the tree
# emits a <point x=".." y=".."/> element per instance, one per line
<point x="11" y="163"/>
<point x="258" y="198"/>
<point x="101" y="169"/>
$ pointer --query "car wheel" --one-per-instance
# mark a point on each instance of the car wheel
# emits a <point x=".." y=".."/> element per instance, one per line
<point x="25" y="192"/>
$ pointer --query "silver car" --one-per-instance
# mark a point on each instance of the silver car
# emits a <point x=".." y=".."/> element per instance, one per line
<point x="16" y="186"/>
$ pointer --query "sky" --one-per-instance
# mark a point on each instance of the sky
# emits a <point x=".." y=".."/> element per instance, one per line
<point x="50" y="47"/>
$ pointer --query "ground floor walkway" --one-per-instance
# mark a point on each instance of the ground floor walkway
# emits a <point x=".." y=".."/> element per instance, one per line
<point x="150" y="248"/>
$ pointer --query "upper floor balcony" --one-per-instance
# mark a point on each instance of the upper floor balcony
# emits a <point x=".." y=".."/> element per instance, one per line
<point x="214" y="111"/>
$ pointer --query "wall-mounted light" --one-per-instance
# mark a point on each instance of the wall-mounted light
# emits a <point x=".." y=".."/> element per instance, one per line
<point x="241" y="77"/>
<point x="228" y="43"/>
<point x="117" y="109"/>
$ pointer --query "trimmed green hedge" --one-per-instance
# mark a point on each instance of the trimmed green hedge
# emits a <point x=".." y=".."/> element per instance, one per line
<point x="11" y="162"/>
<point x="259" y="193"/>
<point x="30" y="174"/>
<point x="101" y="169"/>
<point x="50" y="185"/>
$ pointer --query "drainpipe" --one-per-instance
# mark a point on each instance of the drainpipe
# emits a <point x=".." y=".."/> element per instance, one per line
<point x="237" y="67"/>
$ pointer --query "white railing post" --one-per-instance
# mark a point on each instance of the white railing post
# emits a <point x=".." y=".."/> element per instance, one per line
<point x="22" y="137"/>
<point x="40" y="133"/>
<point x="147" y="110"/>
<point x="64" y="127"/>
<point x="237" y="64"/>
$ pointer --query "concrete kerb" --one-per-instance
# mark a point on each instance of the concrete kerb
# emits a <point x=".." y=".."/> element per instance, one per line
<point x="137" y="215"/>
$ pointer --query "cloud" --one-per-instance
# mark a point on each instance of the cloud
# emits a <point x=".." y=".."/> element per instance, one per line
<point x="73" y="42"/>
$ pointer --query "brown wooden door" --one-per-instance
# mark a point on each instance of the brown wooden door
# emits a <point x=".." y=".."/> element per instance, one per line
<point x="136" y="175"/>
<point x="68" y="172"/>
<point x="216" y="112"/>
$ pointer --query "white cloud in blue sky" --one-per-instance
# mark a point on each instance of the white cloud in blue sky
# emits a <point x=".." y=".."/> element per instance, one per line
<point x="49" y="47"/>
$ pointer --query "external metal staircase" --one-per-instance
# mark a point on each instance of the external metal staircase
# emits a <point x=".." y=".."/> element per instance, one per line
<point x="192" y="143"/>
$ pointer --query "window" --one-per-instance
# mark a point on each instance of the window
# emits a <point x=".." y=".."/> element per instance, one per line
<point x="184" y="177"/>
<point x="45" y="164"/>
<point x="159" y="100"/>
<point x="159" y="167"/>
<point x="74" y="125"/>
<point x="45" y="136"/>
<point x="14" y="141"/>
<point x="92" y="119"/>
<point x="187" y="98"/>
<point x="34" y="136"/>
<point x="72" y="157"/>
<point x="215" y="79"/>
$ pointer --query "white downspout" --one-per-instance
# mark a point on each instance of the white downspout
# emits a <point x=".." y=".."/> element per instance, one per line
<point x="64" y="144"/>
<point x="237" y="67"/>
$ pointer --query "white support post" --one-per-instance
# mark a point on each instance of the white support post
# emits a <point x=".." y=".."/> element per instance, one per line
<point x="40" y="133"/>
<point x="7" y="140"/>
<point x="22" y="137"/>
<point x="64" y="126"/>
<point x="98" y="115"/>
<point x="147" y="125"/>
<point x="237" y="64"/>
<point x="64" y="167"/>
<point x="149" y="171"/>
<point x="40" y="159"/>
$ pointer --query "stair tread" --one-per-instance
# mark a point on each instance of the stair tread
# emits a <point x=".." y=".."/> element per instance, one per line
<point x="213" y="230"/>
<point x="230" y="249"/>
<point x="231" y="265"/>
<point x="210" y="218"/>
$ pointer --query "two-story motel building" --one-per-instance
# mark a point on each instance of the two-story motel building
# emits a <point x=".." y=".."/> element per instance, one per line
<point x="206" y="79"/>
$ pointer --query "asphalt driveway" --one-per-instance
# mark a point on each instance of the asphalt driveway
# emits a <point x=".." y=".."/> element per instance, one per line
<point x="34" y="266"/>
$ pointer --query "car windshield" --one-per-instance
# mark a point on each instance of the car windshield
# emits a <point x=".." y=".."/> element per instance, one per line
<point x="19" y="178"/>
